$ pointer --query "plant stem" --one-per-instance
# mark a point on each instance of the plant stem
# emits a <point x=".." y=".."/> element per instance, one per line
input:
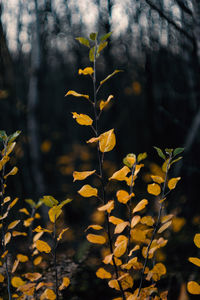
<point x="55" y="259"/>
<point x="156" y="227"/>
<point x="100" y="160"/>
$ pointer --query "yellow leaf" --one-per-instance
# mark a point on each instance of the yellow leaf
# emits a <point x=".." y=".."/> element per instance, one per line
<point x="114" y="284"/>
<point x="135" y="220"/>
<point x="118" y="261"/>
<point x="3" y="161"/>
<point x="139" y="235"/>
<point x="61" y="234"/>
<point x="157" y="179"/>
<point x="17" y="233"/>
<point x="121" y="174"/>
<point x="157" y="271"/>
<point x="22" y="258"/>
<point x="95" y="227"/>
<point x="137" y="247"/>
<point x="15" y="265"/>
<point x="33" y="276"/>
<point x="48" y="294"/>
<point x="173" y="182"/>
<point x="126" y="281"/>
<point x="105" y="103"/>
<point x="43" y="246"/>
<point x="165" y="226"/>
<point x="41" y="284"/>
<point x="107" y="207"/>
<point x="82" y="175"/>
<point x="109" y="76"/>
<point x="13" y="203"/>
<point x="82" y="119"/>
<point x="178" y="223"/>
<point x="86" y="71"/>
<point x="193" y="288"/>
<point x="88" y="191"/>
<point x="28" y="222"/>
<point x="154" y="189"/>
<point x="65" y="283"/>
<point x="13" y="224"/>
<point x="17" y="282"/>
<point x="75" y="94"/>
<point x="7" y="238"/>
<point x="37" y="236"/>
<point x="54" y="213"/>
<point x="166" y="218"/>
<point x="129" y="160"/>
<point x="166" y="166"/>
<point x="93" y="140"/>
<point x="37" y="260"/>
<point x="27" y="289"/>
<point x="121" y="248"/>
<point x="4" y="254"/>
<point x="1" y="278"/>
<point x="195" y="261"/>
<point x="12" y="172"/>
<point x="115" y="220"/>
<point x="107" y="141"/>
<point x="96" y="239"/>
<point x="120" y="227"/>
<point x="147" y="220"/>
<point x="6" y="199"/>
<point x="107" y="259"/>
<point x="123" y="196"/>
<point x="140" y="206"/>
<point x="103" y="274"/>
<point x="25" y="211"/>
<point x="197" y="239"/>
<point x="40" y="229"/>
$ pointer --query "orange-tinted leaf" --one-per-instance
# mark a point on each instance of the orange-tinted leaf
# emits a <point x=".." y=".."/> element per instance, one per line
<point x="107" y="259"/>
<point x="123" y="196"/>
<point x="137" y="247"/>
<point x="82" y="175"/>
<point x="121" y="174"/>
<point x="25" y="211"/>
<point x="107" y="141"/>
<point x="12" y="172"/>
<point x="7" y="238"/>
<point x="120" y="227"/>
<point x="22" y="258"/>
<point x="107" y="207"/>
<point x="103" y="274"/>
<point x="140" y="206"/>
<point x="4" y="254"/>
<point x="75" y="94"/>
<point x="195" y="261"/>
<point x="166" y="218"/>
<point x="88" y="191"/>
<point x="13" y="224"/>
<point x="27" y="289"/>
<point x="109" y="76"/>
<point x="65" y="283"/>
<point x="93" y="140"/>
<point x="33" y="276"/>
<point x="37" y="236"/>
<point x="82" y="119"/>
<point x="17" y="282"/>
<point x="48" y="294"/>
<point x="41" y="284"/>
<point x="96" y="239"/>
<point x="154" y="189"/>
<point x="193" y="288"/>
<point x="173" y="182"/>
<point x="43" y="246"/>
<point x="115" y="220"/>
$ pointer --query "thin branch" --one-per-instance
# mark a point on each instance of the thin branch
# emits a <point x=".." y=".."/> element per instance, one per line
<point x="170" y="21"/>
<point x="182" y="5"/>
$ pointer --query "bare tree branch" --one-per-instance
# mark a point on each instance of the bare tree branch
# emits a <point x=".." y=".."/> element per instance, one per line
<point x="170" y="21"/>
<point x="182" y="5"/>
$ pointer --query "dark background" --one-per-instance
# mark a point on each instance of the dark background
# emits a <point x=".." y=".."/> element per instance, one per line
<point x="157" y="103"/>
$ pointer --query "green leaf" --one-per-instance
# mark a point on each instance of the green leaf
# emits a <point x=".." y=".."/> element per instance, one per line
<point x="30" y="202"/>
<point x="83" y="41"/>
<point x="177" y="159"/>
<point x="109" y="76"/>
<point x="168" y="151"/>
<point x="91" y="54"/>
<point x="93" y="36"/>
<point x="178" y="151"/>
<point x="105" y="37"/>
<point x="160" y="153"/>
<point x="13" y="136"/>
<point x="64" y="203"/>
<point x="3" y="135"/>
<point x="101" y="46"/>
<point x="49" y="201"/>
<point x="141" y="156"/>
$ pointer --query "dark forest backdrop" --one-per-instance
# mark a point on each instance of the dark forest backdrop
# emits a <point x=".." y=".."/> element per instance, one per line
<point x="157" y="97"/>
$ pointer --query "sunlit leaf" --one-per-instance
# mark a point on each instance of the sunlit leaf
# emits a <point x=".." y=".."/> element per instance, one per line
<point x="154" y="189"/>
<point x="82" y="175"/>
<point x="6" y="199"/>
<point x="15" y="265"/>
<point x="13" y="203"/>
<point x="27" y="289"/>
<point x="49" y="201"/>
<point x="124" y="196"/>
<point x="24" y="210"/>
<point x="173" y="182"/>
<point x="107" y="141"/>
<point x="95" y="227"/>
<point x="40" y="229"/>
<point x="126" y="281"/>
<point x="120" y="227"/>
<point x="164" y="227"/>
<point x="109" y="76"/>
<point x="13" y="224"/>
<point x="83" y="41"/>
<point x="4" y="254"/>
<point x="115" y="220"/>
<point x="195" y="261"/>
<point x="54" y="213"/>
<point x="121" y="174"/>
<point x="1" y="278"/>
<point x="121" y="248"/>
<point x="103" y="274"/>
<point x="37" y="260"/>
<point x="12" y="172"/>
<point x="65" y="283"/>
<point x="193" y="288"/>
<point x="75" y="94"/>
<point x="48" y="294"/>
<point x="17" y="282"/>
<point x="130" y="160"/>
<point x="88" y="191"/>
<point x="197" y="240"/>
<point x="137" y="247"/>
<point x="86" y="71"/>
<point x="9" y="149"/>
<point x="37" y="236"/>
<point x="82" y="119"/>
<point x="41" y="284"/>
<point x="18" y="233"/>
<point x="61" y="234"/>
<point x="157" y="179"/>
<point x="166" y="218"/>
<point x="147" y="220"/>
<point x="7" y="238"/>
<point x="107" y="207"/>
<point x="43" y="246"/>
<point x="96" y="239"/>
<point x="114" y="284"/>
<point x="22" y="258"/>
<point x="135" y="220"/>
<point x="28" y="222"/>
<point x="105" y="103"/>
<point x="33" y="276"/>
<point x="140" y="206"/>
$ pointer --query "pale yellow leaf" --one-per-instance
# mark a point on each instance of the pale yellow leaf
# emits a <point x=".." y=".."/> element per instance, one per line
<point x="107" y="207"/>
<point x="121" y="248"/>
<point x="120" y="227"/>
<point x="7" y="238"/>
<point x="105" y="103"/>
<point x="135" y="220"/>
<point x="140" y="206"/>
<point x="95" y="227"/>
<point x="15" y="265"/>
<point x="164" y="226"/>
